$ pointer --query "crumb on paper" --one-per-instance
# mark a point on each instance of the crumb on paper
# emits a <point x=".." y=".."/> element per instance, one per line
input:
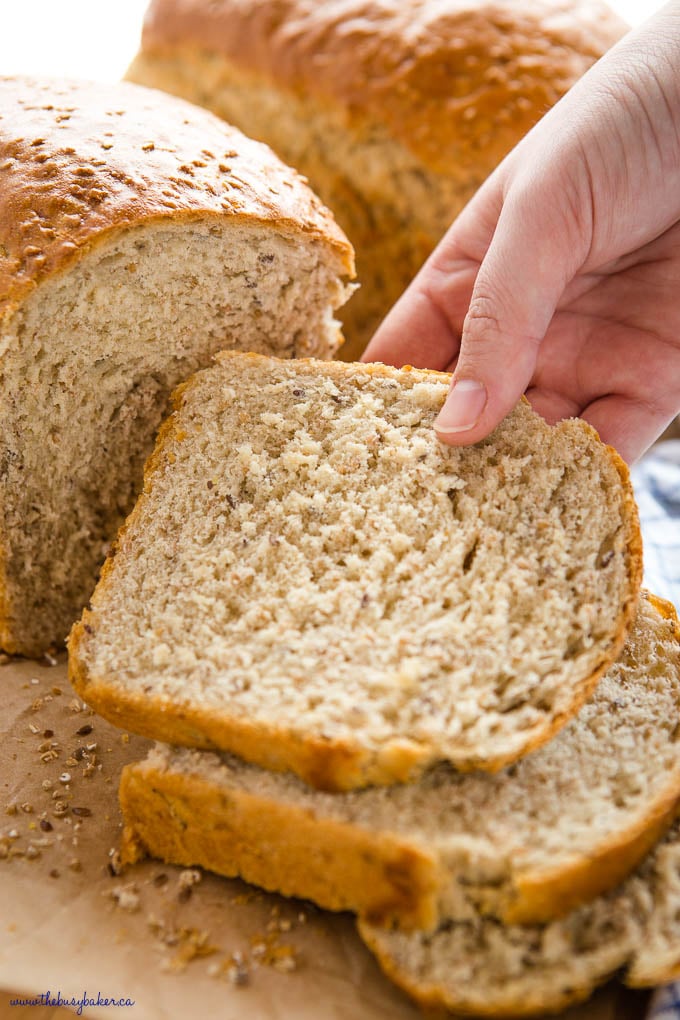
<point x="192" y="943"/>
<point x="126" y="897"/>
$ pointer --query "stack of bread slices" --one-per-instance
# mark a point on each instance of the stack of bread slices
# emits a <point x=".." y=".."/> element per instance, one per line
<point x="394" y="677"/>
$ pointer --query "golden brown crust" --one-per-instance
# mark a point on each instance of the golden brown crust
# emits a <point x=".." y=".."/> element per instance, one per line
<point x="328" y="765"/>
<point x="188" y="820"/>
<point x="80" y="160"/>
<point x="539" y="897"/>
<point x="446" y="79"/>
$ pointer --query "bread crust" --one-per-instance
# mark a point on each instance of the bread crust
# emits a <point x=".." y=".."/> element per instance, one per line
<point x="186" y="820"/>
<point x="527" y="897"/>
<point x="82" y="163"/>
<point x="80" y="160"/>
<point x="635" y="954"/>
<point x="446" y="79"/>
<point x="333" y="765"/>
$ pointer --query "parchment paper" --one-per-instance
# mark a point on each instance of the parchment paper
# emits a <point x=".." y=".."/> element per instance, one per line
<point x="178" y="948"/>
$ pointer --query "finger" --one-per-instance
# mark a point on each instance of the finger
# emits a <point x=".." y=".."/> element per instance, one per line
<point x="627" y="424"/>
<point x="551" y="405"/>
<point x="533" y="255"/>
<point x="420" y="332"/>
<point x="425" y="325"/>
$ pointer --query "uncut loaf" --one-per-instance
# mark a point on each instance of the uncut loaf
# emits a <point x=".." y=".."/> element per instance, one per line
<point x="482" y="968"/>
<point x="530" y="843"/>
<point x="312" y="581"/>
<point x="138" y="235"/>
<point x="396" y="110"/>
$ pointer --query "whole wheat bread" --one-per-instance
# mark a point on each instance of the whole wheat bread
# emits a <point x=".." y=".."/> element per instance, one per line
<point x="313" y="581"/>
<point x="138" y="235"/>
<point x="483" y="968"/>
<point x="530" y="843"/>
<point x="396" y="110"/>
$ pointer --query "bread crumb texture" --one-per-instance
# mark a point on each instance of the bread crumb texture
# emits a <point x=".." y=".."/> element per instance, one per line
<point x="138" y="236"/>
<point x="529" y="843"/>
<point x="396" y="110"/>
<point x="314" y="581"/>
<point x="482" y="968"/>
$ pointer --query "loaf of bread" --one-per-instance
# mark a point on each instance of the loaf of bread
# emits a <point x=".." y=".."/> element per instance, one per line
<point x="312" y="581"/>
<point x="397" y="110"/>
<point x="481" y="968"/>
<point x="138" y="235"/>
<point x="528" y="844"/>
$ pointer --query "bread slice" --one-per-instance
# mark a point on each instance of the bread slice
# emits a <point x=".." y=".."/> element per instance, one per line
<point x="481" y="968"/>
<point x="138" y="235"/>
<point x="527" y="844"/>
<point x="396" y="111"/>
<point x="314" y="582"/>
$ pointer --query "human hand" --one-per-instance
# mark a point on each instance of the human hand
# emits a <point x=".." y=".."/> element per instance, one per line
<point x="561" y="278"/>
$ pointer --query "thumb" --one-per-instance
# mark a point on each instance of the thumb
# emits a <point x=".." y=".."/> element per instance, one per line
<point x="530" y="259"/>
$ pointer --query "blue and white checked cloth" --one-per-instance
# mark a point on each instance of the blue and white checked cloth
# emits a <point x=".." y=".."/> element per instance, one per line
<point x="657" y="488"/>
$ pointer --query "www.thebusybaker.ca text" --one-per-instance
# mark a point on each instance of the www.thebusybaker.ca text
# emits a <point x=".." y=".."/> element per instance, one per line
<point x="48" y="999"/>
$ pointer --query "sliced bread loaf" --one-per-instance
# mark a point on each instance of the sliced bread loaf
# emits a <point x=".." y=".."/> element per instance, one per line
<point x="528" y="844"/>
<point x="313" y="581"/>
<point x="481" y="968"/>
<point x="138" y="235"/>
<point x="396" y="110"/>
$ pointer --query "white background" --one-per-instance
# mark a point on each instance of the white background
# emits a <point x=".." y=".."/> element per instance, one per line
<point x="98" y="38"/>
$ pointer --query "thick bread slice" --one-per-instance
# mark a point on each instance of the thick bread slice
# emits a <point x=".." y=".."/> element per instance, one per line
<point x="527" y="844"/>
<point x="313" y="581"/>
<point x="396" y="110"/>
<point x="482" y="968"/>
<point x="138" y="235"/>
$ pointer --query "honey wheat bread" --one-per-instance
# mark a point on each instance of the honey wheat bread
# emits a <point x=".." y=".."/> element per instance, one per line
<point x="312" y="581"/>
<point x="482" y="968"/>
<point x="530" y="843"/>
<point x="396" y="110"/>
<point x="138" y="235"/>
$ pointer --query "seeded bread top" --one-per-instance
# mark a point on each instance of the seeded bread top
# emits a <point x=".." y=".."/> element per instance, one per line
<point x="446" y="78"/>
<point x="79" y="159"/>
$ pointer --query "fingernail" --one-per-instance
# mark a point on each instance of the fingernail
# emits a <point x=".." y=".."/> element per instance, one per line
<point x="462" y="408"/>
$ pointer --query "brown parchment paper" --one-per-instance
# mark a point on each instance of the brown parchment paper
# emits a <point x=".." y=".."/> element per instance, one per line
<point x="178" y="948"/>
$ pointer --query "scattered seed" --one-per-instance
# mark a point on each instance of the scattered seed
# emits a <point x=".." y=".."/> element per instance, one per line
<point x="84" y="730"/>
<point x="82" y="812"/>
<point x="47" y="784"/>
<point x="45" y="825"/>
